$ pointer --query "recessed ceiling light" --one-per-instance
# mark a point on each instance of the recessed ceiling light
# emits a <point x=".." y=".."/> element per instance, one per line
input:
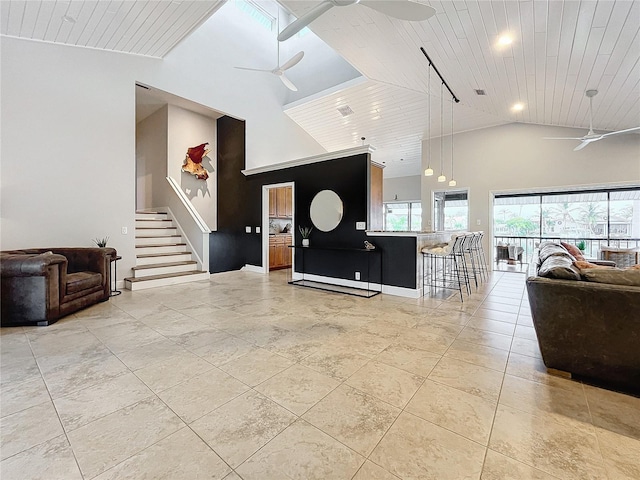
<point x="518" y="107"/>
<point x="505" y="40"/>
<point x="68" y="19"/>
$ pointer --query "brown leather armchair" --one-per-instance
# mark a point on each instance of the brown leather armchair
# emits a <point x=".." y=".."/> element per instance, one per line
<point x="42" y="285"/>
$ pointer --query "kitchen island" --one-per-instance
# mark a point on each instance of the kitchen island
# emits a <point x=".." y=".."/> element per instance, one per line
<point x="403" y="258"/>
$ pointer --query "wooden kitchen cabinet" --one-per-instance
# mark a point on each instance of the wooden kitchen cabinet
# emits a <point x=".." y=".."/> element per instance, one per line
<point x="279" y="251"/>
<point x="281" y="202"/>
<point x="272" y="202"/>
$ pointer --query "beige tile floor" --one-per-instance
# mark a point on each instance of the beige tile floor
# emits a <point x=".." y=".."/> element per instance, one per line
<point x="246" y="377"/>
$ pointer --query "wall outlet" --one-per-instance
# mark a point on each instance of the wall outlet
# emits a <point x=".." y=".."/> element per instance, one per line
<point x="357" y="275"/>
<point x="257" y="229"/>
<point x="124" y="230"/>
<point x="478" y="222"/>
<point x="247" y="229"/>
<point x="361" y="225"/>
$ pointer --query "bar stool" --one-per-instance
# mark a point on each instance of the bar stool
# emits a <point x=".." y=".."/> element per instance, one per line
<point x="445" y="266"/>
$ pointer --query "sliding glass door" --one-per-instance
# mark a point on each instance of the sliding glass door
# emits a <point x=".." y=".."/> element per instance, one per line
<point x="588" y="219"/>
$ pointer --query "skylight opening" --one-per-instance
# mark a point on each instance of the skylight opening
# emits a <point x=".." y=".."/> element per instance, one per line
<point x="259" y="14"/>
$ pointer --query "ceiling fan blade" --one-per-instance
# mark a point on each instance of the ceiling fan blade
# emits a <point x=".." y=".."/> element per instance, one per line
<point x="402" y="9"/>
<point x="304" y="20"/>
<point x="582" y="145"/>
<point x="293" y="61"/>
<point x="253" y="69"/>
<point x="562" y="138"/>
<point x="288" y="83"/>
<point x="620" y="131"/>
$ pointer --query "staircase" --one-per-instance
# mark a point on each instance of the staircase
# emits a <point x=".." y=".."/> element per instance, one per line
<point x="162" y="257"/>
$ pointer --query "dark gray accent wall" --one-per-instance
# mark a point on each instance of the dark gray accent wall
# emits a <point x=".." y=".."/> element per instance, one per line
<point x="240" y="205"/>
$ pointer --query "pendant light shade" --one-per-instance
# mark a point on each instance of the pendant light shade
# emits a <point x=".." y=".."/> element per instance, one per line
<point x="442" y="178"/>
<point x="452" y="183"/>
<point x="428" y="172"/>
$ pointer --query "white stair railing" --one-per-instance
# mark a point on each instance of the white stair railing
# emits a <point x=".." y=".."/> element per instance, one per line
<point x="190" y="224"/>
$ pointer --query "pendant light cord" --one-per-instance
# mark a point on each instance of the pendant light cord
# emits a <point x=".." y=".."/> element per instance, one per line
<point x="441" y="131"/>
<point x="452" y="177"/>
<point x="429" y="124"/>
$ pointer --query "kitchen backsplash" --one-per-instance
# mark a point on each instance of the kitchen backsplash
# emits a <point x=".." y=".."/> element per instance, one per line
<point x="277" y="225"/>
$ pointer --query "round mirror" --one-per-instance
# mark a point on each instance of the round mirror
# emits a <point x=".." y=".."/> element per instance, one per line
<point x="326" y="210"/>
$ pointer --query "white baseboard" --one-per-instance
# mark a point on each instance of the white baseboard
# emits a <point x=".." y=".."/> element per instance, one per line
<point x="253" y="268"/>
<point x="388" y="289"/>
<point x="402" y="291"/>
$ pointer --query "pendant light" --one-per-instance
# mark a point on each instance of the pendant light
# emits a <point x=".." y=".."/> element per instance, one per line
<point x="441" y="178"/>
<point x="429" y="171"/>
<point x="452" y="182"/>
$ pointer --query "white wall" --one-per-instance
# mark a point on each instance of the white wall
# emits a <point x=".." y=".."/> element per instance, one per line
<point x="514" y="157"/>
<point x="189" y="129"/>
<point x="68" y="130"/>
<point x="151" y="159"/>
<point x="406" y="188"/>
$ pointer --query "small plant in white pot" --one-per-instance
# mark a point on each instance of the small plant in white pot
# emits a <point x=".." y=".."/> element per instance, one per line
<point x="101" y="242"/>
<point x="305" y="232"/>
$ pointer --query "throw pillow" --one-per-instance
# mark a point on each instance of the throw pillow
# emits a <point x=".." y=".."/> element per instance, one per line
<point x="560" y="267"/>
<point x="553" y="249"/>
<point x="573" y="250"/>
<point x="614" y="276"/>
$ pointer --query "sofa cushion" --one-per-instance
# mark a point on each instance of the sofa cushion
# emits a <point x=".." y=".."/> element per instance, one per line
<point x="549" y="249"/>
<point x="573" y="250"/>
<point x="615" y="276"/>
<point x="79" y="281"/>
<point x="583" y="265"/>
<point x="560" y="267"/>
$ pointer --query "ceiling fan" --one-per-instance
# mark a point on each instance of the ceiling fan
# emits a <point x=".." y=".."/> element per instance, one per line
<point x="591" y="136"/>
<point x="280" y="69"/>
<point x="401" y="9"/>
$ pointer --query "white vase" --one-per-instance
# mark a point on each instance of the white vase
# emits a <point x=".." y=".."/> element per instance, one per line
<point x="305" y="242"/>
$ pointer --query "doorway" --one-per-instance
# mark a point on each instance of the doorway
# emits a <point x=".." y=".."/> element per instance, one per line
<point x="278" y="214"/>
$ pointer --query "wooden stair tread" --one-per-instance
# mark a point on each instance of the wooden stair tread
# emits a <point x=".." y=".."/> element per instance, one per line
<point x="167" y="254"/>
<point x="155" y="228"/>
<point x="153" y="219"/>
<point x="151" y="213"/>
<point x="164" y="275"/>
<point x="162" y="245"/>
<point x="157" y="236"/>
<point x="160" y="265"/>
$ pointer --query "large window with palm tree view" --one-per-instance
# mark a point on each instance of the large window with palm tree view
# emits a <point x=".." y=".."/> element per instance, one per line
<point x="587" y="219"/>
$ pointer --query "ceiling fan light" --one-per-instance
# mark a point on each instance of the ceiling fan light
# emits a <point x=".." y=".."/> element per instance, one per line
<point x="452" y="183"/>
<point x="428" y="172"/>
<point x="442" y="178"/>
<point x="518" y="107"/>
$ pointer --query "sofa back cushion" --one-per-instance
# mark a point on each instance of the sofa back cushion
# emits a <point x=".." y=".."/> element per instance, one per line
<point x="615" y="276"/>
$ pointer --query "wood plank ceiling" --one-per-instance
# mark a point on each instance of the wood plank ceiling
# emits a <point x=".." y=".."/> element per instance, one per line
<point x="143" y="27"/>
<point x="559" y="50"/>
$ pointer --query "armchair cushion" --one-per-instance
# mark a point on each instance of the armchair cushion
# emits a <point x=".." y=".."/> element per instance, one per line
<point x="76" y="282"/>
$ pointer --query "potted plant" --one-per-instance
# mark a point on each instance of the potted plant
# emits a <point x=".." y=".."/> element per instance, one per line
<point x="305" y="232"/>
<point x="582" y="245"/>
<point x="101" y="242"/>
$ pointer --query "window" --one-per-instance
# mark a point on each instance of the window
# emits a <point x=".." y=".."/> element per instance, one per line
<point x="451" y="210"/>
<point x="259" y="14"/>
<point x="403" y="216"/>
<point x="588" y="219"/>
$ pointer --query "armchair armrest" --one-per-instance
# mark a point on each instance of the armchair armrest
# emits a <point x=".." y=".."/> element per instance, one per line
<point x="28" y="265"/>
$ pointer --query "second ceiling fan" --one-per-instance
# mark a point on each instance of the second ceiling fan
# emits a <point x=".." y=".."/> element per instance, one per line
<point x="401" y="9"/>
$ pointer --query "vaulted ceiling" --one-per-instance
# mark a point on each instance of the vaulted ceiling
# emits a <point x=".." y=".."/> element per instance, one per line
<point x="559" y="50"/>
